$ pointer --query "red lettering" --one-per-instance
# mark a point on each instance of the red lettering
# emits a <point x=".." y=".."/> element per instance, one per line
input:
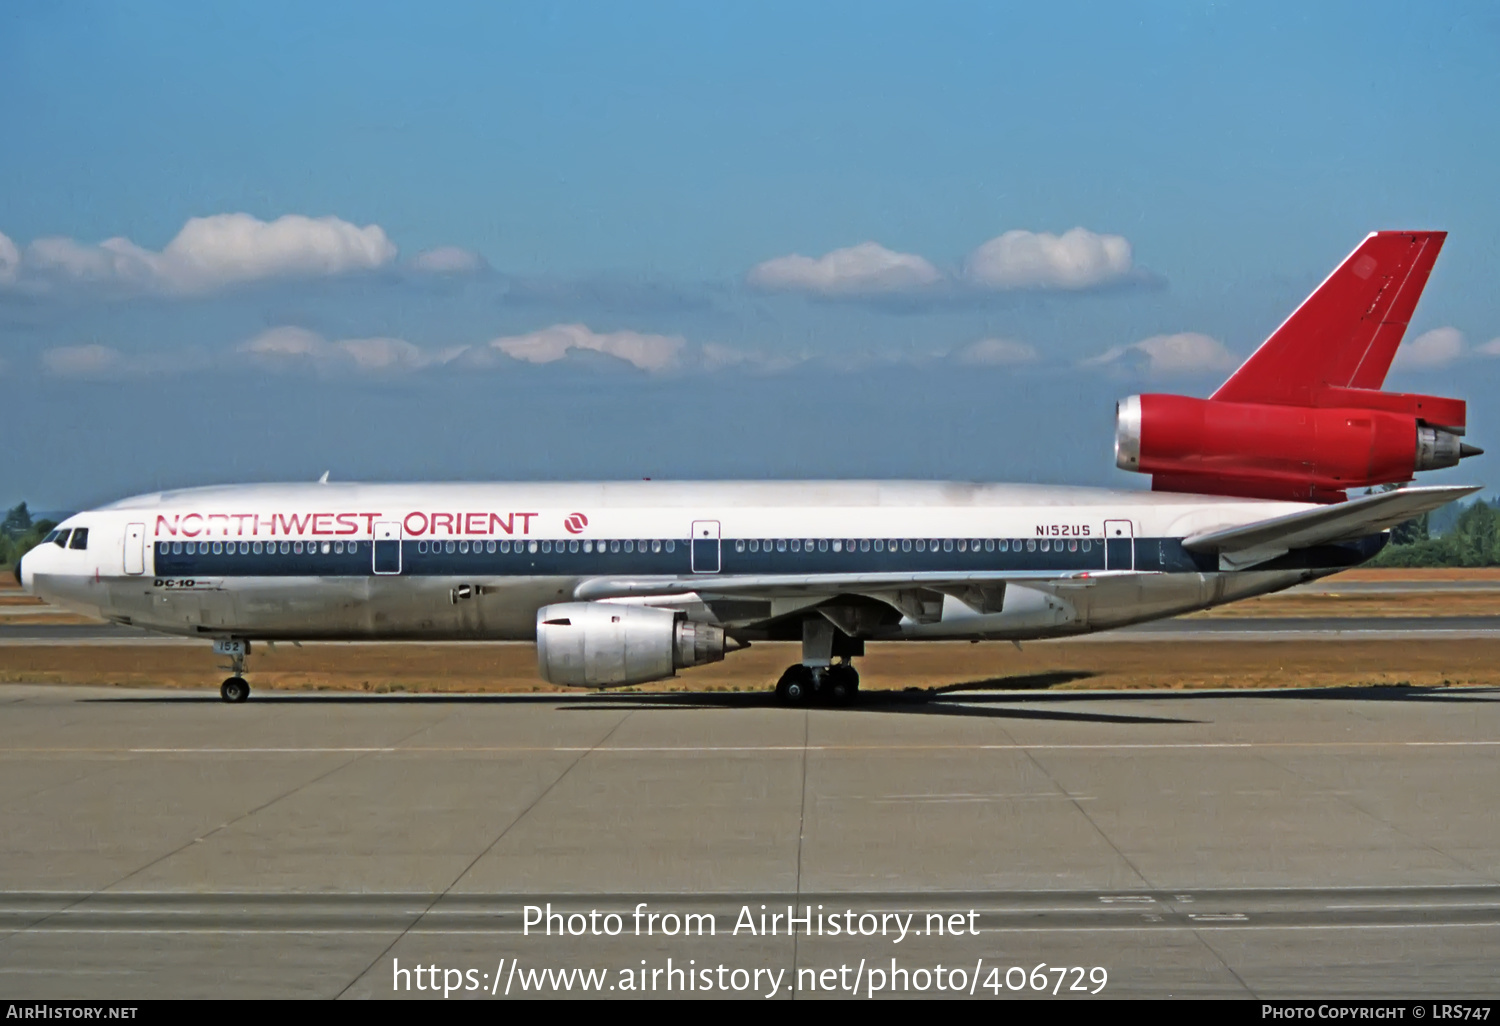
<point x="526" y="521"/>
<point x="293" y="524"/>
<point x="446" y="518"/>
<point x="346" y="520"/>
<point x="240" y="526"/>
<point x="161" y="522"/>
<point x="414" y="531"/>
<point x="469" y="527"/>
<point x="219" y="516"/>
<point x="320" y="523"/>
<point x="196" y="530"/>
<point x="498" y="524"/>
<point x="369" y="522"/>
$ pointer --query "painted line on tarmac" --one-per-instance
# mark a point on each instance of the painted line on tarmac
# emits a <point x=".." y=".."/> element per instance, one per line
<point x="731" y="749"/>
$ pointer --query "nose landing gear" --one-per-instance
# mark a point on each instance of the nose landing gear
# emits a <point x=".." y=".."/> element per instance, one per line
<point x="236" y="688"/>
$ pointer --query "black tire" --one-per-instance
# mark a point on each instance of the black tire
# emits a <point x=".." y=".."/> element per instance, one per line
<point x="795" y="686"/>
<point x="234" y="690"/>
<point x="841" y="684"/>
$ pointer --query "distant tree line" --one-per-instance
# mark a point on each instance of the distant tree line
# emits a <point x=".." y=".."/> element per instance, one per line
<point x="1473" y="540"/>
<point x="19" y="534"/>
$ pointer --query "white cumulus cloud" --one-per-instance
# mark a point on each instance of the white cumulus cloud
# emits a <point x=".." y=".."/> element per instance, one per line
<point x="1490" y="348"/>
<point x="996" y="352"/>
<point x="653" y="353"/>
<point x="1076" y="259"/>
<point x="1187" y="352"/>
<point x="90" y="361"/>
<point x="289" y="346"/>
<point x="1431" y="349"/>
<point x="868" y="269"/>
<point x="448" y="260"/>
<point x="208" y="253"/>
<point x="10" y="259"/>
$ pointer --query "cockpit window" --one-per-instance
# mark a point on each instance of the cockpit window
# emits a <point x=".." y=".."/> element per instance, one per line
<point x="51" y="536"/>
<point x="80" y="538"/>
<point x="62" y="539"/>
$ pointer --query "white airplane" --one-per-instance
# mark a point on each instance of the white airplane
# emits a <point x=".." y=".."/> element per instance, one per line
<point x="623" y="583"/>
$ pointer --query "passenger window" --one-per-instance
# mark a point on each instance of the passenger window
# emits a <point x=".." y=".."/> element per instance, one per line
<point x="1030" y="544"/>
<point x="1073" y="545"/>
<point x="489" y="547"/>
<point x="614" y="546"/>
<point x="256" y="548"/>
<point x="1087" y="545"/>
<point x="864" y="545"/>
<point x="177" y="548"/>
<point x="671" y="545"/>
<point x="1046" y="545"/>
<point x="796" y="544"/>
<point x="921" y="545"/>
<point x="905" y="545"/>
<point x="244" y="548"/>
<point x="781" y="545"/>
<point x="532" y="547"/>
<point x="947" y="544"/>
<point x="505" y="546"/>
<point x="739" y="546"/>
<point x="80" y="539"/>
<point x="807" y="546"/>
<point x="218" y="548"/>
<point x="450" y="547"/>
<point x="989" y="545"/>
<point x="822" y="544"/>
<point x="463" y="547"/>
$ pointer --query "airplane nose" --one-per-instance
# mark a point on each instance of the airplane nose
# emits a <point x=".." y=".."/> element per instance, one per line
<point x="17" y="570"/>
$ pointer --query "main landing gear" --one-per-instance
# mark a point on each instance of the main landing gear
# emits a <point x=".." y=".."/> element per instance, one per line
<point x="837" y="684"/>
<point x="826" y="674"/>
<point x="236" y="688"/>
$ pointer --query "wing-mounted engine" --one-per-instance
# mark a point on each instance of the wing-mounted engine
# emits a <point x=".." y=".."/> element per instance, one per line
<point x="1304" y="418"/>
<point x="605" y="644"/>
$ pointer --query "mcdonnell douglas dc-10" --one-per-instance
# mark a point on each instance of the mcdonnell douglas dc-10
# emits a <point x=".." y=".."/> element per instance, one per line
<point x="623" y="583"/>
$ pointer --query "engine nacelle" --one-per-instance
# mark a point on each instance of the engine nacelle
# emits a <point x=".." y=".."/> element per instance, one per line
<point x="1271" y="451"/>
<point x="604" y="644"/>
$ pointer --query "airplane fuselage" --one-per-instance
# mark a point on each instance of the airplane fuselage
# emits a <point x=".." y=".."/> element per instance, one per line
<point x="476" y="561"/>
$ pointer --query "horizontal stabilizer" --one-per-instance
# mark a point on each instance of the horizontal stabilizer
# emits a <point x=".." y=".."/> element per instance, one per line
<point x="1357" y="518"/>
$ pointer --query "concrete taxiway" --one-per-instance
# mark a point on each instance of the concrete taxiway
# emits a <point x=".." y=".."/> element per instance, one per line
<point x="1338" y="843"/>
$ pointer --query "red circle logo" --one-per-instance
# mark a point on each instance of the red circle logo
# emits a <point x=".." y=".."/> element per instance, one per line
<point x="575" y="523"/>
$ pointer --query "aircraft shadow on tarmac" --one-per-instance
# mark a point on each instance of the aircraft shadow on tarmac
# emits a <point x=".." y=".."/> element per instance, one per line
<point x="964" y="699"/>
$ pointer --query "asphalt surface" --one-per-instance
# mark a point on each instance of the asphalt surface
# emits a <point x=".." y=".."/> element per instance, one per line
<point x="1312" y="843"/>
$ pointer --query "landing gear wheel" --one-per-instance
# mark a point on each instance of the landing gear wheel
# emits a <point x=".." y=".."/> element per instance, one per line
<point x="795" y="686"/>
<point x="841" y="684"/>
<point x="235" y="689"/>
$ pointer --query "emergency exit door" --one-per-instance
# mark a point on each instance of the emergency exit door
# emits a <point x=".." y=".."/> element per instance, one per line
<point x="135" y="548"/>
<point x="1119" y="545"/>
<point x="387" y="554"/>
<point x="705" y="546"/>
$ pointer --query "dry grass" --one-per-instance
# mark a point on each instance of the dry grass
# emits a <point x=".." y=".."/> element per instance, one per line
<point x="1066" y="664"/>
<point x="512" y="668"/>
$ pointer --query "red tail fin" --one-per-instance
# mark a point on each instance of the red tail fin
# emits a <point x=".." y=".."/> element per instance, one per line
<point x="1345" y="334"/>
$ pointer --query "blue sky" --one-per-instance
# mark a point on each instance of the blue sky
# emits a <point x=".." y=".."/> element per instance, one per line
<point x="558" y="240"/>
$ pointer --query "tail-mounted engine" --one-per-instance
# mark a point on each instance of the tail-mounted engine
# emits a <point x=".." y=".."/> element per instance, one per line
<point x="604" y="644"/>
<point x="1304" y="418"/>
<point x="1260" y="450"/>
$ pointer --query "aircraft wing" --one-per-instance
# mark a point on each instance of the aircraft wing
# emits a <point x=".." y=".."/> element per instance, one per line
<point x="798" y="585"/>
<point x="1344" y="521"/>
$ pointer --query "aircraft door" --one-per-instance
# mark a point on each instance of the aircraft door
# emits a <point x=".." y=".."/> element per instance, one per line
<point x="135" y="548"/>
<point x="705" y="545"/>
<point x="387" y="554"/>
<point x="1119" y="545"/>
